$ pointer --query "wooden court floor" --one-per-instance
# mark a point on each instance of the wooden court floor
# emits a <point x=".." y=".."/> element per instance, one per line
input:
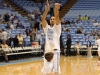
<point x="75" y="65"/>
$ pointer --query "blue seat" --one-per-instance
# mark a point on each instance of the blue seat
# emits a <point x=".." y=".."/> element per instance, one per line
<point x="84" y="43"/>
<point x="73" y="43"/>
<point x="76" y="39"/>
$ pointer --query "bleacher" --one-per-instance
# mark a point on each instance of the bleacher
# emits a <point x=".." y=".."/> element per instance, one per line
<point x="30" y="6"/>
<point x="22" y="52"/>
<point x="19" y="52"/>
<point x="83" y="7"/>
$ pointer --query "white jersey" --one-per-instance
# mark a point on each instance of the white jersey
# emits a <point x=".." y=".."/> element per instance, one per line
<point x="48" y="68"/>
<point x="52" y="35"/>
<point x="98" y="43"/>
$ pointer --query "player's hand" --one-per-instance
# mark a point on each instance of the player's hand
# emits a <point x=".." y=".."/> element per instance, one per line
<point x="57" y="5"/>
<point x="47" y="4"/>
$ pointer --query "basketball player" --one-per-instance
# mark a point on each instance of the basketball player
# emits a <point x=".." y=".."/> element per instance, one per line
<point x="52" y="31"/>
<point x="98" y="44"/>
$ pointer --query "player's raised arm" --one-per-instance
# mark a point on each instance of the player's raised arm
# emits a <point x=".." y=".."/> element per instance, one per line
<point x="44" y="22"/>
<point x="56" y="13"/>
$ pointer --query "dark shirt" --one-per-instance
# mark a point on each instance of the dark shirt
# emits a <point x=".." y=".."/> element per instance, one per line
<point x="79" y="32"/>
<point x="68" y="43"/>
<point x="37" y="25"/>
<point x="20" y="26"/>
<point x="6" y="18"/>
<point x="10" y="40"/>
<point x="28" y="31"/>
<point x="15" y="42"/>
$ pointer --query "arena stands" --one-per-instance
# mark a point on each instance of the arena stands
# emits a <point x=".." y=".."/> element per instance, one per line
<point x="82" y="8"/>
<point x="30" y="6"/>
<point x="82" y="21"/>
<point x="14" y="41"/>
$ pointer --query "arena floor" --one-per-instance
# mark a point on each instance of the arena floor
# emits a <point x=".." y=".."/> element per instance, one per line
<point x="75" y="65"/>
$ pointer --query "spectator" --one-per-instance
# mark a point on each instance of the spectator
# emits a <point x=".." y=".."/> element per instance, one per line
<point x="80" y="18"/>
<point x="67" y="22"/>
<point x="91" y="36"/>
<point x="20" y="26"/>
<point x="89" y="48"/>
<point x="24" y="37"/>
<point x="63" y="21"/>
<point x="72" y="23"/>
<point x="11" y="41"/>
<point x="8" y="26"/>
<point x="6" y="18"/>
<point x="37" y="14"/>
<point x="12" y="26"/>
<point x="15" y="16"/>
<point x="1" y="19"/>
<point x="85" y="36"/>
<point x="95" y="23"/>
<point x="68" y="43"/>
<point x="65" y="29"/>
<point x="9" y="31"/>
<point x="4" y="35"/>
<point x="38" y="37"/>
<point x="4" y="45"/>
<point x="83" y="30"/>
<point x="20" y="40"/>
<point x="68" y="31"/>
<point x="79" y="31"/>
<point x="15" y="20"/>
<point x="32" y="35"/>
<point x="29" y="16"/>
<point x="37" y="23"/>
<point x="33" y="16"/>
<point x="34" y="12"/>
<point x="77" y="47"/>
<point x="28" y="31"/>
<point x="3" y="53"/>
<point x="94" y="32"/>
<point x="7" y="5"/>
<point x="3" y="16"/>
<point x="96" y="36"/>
<point x="11" y="16"/>
<point x="85" y="18"/>
<point x="15" y="41"/>
<point x="98" y="33"/>
<point x="0" y="36"/>
<point x="77" y="23"/>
